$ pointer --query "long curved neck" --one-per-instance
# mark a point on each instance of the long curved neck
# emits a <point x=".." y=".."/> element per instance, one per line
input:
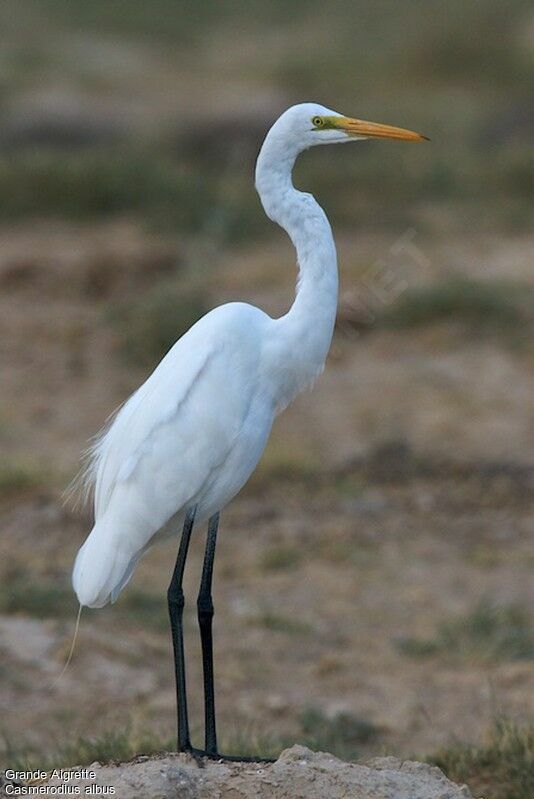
<point x="306" y="330"/>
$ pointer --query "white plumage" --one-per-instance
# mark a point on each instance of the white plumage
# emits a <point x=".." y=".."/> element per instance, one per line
<point x="193" y="433"/>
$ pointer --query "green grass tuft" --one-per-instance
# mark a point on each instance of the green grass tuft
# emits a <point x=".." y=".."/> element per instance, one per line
<point x="253" y="741"/>
<point x="143" y="608"/>
<point x="102" y="182"/>
<point x="342" y="734"/>
<point x="111" y="747"/>
<point x="488" y="633"/>
<point x="282" y="624"/>
<point x="36" y="597"/>
<point x="149" y="327"/>
<point x="502" y="767"/>
<point x="19" y="478"/>
<point x="281" y="557"/>
<point x="482" y="306"/>
<point x="47" y="598"/>
<point x="97" y="183"/>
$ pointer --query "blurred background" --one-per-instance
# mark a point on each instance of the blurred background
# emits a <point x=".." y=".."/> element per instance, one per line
<point x="371" y="583"/>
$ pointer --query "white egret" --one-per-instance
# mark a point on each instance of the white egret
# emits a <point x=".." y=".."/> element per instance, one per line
<point x="190" y="437"/>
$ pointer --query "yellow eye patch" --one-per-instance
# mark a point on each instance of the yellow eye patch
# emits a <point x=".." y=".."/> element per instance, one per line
<point x="323" y="123"/>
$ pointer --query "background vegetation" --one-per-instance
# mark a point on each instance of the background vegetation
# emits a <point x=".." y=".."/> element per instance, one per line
<point x="393" y="505"/>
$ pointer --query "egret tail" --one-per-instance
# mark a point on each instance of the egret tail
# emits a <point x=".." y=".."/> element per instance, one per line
<point x="102" y="567"/>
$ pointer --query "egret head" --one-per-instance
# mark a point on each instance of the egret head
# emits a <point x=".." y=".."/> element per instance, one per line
<point x="308" y="124"/>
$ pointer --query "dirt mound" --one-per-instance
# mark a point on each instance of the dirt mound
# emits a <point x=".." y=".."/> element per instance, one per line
<point x="298" y="773"/>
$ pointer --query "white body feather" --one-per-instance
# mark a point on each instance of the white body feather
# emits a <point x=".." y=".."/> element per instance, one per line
<point x="193" y="433"/>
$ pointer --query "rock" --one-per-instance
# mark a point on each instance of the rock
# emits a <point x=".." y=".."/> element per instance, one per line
<point x="298" y="773"/>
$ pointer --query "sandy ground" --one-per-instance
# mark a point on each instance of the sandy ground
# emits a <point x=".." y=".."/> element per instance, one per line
<point x="297" y="774"/>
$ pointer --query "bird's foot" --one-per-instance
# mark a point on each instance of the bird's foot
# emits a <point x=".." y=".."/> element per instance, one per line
<point x="200" y="756"/>
<point x="238" y="758"/>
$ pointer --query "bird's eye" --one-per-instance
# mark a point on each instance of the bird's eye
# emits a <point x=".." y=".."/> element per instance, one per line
<point x="318" y="122"/>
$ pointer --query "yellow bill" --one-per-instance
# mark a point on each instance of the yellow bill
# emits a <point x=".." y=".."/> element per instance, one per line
<point x="374" y="130"/>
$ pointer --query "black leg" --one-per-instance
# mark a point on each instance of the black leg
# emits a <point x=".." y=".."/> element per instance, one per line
<point x="205" y="618"/>
<point x="175" y="600"/>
